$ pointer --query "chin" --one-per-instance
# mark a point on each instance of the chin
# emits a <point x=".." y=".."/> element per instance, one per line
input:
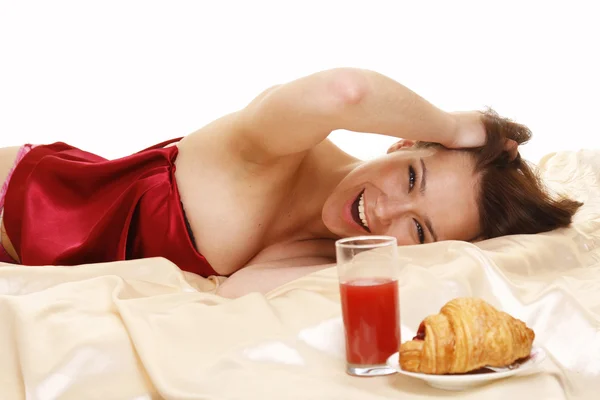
<point x="333" y="223"/>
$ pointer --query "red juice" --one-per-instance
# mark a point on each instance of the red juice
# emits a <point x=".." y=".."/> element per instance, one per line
<point x="371" y="319"/>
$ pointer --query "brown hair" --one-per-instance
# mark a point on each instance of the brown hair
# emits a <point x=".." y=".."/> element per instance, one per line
<point x="512" y="198"/>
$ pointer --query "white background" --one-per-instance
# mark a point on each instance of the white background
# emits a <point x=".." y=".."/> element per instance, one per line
<point x="116" y="76"/>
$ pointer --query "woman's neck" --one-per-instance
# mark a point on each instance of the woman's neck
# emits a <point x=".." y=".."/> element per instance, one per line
<point x="319" y="174"/>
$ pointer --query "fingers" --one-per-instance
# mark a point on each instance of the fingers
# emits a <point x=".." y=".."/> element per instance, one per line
<point x="401" y="144"/>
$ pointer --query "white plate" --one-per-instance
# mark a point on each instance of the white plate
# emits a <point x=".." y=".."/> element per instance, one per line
<point x="466" y="381"/>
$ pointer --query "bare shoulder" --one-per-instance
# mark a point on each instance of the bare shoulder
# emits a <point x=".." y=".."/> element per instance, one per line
<point x="231" y="201"/>
<point x="227" y="139"/>
<point x="277" y="266"/>
<point x="264" y="277"/>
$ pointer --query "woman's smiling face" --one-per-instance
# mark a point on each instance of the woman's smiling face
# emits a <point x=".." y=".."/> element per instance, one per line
<point x="417" y="196"/>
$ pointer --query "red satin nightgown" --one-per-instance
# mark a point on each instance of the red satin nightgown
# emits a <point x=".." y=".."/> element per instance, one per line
<point x="65" y="206"/>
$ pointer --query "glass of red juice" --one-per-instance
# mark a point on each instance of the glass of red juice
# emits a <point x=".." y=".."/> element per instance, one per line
<point x="368" y="274"/>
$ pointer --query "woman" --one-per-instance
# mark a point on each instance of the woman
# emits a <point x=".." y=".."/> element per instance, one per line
<point x="263" y="188"/>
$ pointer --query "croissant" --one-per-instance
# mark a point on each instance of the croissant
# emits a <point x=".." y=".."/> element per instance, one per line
<point x="466" y="335"/>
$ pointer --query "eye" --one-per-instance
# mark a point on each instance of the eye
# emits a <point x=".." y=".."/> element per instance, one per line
<point x="412" y="177"/>
<point x="420" y="233"/>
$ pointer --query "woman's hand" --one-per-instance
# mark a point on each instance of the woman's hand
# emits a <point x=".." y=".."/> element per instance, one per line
<point x="470" y="132"/>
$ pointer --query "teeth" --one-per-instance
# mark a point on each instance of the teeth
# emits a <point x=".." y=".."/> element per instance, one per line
<point x="361" y="210"/>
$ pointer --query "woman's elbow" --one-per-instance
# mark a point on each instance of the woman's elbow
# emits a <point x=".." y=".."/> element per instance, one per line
<point x="347" y="86"/>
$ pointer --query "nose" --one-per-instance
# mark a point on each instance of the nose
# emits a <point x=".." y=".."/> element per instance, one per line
<point x="387" y="209"/>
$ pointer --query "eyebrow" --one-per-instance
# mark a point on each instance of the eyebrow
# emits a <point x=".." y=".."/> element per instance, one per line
<point x="422" y="189"/>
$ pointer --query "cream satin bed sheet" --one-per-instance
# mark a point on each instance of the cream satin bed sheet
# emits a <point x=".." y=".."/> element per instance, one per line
<point x="145" y="330"/>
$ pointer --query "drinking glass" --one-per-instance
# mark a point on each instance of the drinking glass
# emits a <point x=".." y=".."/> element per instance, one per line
<point x="368" y="274"/>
